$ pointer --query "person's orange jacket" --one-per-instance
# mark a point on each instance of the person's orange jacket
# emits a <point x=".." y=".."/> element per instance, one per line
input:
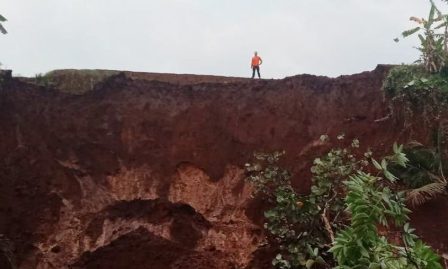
<point x="256" y="61"/>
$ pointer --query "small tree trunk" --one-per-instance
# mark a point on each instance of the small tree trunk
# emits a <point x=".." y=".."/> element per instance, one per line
<point x="327" y="224"/>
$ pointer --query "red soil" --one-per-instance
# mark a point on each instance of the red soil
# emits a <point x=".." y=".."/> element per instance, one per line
<point x="141" y="173"/>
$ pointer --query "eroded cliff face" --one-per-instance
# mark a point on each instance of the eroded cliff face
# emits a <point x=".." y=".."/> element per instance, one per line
<point x="146" y="171"/>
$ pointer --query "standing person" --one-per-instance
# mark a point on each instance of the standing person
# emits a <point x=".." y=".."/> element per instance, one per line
<point x="255" y="64"/>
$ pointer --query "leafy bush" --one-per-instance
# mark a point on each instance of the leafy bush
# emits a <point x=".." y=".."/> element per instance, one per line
<point x="423" y="166"/>
<point x="424" y="173"/>
<point x="417" y="96"/>
<point x="423" y="89"/>
<point x="361" y="246"/>
<point x="412" y="87"/>
<point x="414" y="81"/>
<point x="304" y="226"/>
<point x="291" y="220"/>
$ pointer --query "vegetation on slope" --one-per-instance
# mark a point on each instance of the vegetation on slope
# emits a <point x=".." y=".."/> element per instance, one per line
<point x="337" y="224"/>
<point x="419" y="93"/>
<point x="354" y="197"/>
<point x="424" y="84"/>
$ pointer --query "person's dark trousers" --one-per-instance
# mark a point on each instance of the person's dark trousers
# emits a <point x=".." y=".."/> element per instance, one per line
<point x="256" y="68"/>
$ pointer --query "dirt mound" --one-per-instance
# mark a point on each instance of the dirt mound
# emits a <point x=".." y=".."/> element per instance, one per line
<point x="142" y="173"/>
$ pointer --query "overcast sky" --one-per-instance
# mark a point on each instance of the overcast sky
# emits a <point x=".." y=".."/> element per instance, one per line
<point x="218" y="37"/>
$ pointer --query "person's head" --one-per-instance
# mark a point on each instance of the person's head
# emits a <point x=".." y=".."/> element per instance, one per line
<point x="255" y="53"/>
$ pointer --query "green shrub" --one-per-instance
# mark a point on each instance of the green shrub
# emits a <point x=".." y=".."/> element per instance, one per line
<point x="417" y="96"/>
<point x="291" y="220"/>
<point x="361" y="246"/>
<point x="414" y="81"/>
<point x="304" y="226"/>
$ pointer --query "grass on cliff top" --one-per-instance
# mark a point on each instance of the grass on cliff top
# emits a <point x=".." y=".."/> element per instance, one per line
<point x="73" y="81"/>
<point x="415" y="82"/>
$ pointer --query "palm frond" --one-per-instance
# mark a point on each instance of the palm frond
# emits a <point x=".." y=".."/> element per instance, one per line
<point x="441" y="25"/>
<point x="422" y="39"/>
<point x="410" y="31"/>
<point x="417" y="197"/>
<point x="437" y="10"/>
<point x="431" y="17"/>
<point x="2" y="29"/>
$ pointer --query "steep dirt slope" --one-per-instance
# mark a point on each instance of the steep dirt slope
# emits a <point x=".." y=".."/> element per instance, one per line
<point x="140" y="173"/>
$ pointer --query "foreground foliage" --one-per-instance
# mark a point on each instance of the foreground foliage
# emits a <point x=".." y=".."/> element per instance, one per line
<point x="336" y="225"/>
<point x="361" y="246"/>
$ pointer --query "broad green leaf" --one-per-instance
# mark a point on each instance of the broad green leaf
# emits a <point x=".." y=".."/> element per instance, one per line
<point x="376" y="164"/>
<point x="411" y="83"/>
<point x="395" y="147"/>
<point x="390" y="176"/>
<point x="406" y="227"/>
<point x="384" y="164"/>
